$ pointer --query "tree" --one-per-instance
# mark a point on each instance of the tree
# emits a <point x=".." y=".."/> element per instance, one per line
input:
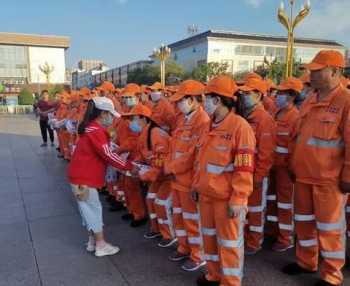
<point x="25" y="97"/>
<point x="53" y="90"/>
<point x="205" y="72"/>
<point x="151" y="73"/>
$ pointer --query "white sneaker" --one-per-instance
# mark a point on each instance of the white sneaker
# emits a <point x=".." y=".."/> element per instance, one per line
<point x="90" y="245"/>
<point x="107" y="250"/>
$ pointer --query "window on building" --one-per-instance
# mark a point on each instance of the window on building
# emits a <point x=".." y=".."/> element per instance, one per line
<point x="13" y="61"/>
<point x="216" y="51"/>
<point x="243" y="66"/>
<point x="249" y="50"/>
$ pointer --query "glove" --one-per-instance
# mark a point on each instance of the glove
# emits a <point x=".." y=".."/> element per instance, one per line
<point x="236" y="210"/>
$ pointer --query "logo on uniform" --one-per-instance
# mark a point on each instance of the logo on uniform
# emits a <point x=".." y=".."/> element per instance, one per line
<point x="226" y="136"/>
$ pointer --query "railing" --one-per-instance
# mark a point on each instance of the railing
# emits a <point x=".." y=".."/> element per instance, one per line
<point x="16" y="109"/>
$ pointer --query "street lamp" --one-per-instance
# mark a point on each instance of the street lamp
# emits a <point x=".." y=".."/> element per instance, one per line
<point x="290" y="23"/>
<point x="162" y="54"/>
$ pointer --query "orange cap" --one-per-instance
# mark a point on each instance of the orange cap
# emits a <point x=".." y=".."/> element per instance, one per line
<point x="145" y="89"/>
<point x="156" y="86"/>
<point x="254" y="83"/>
<point x="222" y="85"/>
<point x="188" y="87"/>
<point x="326" y="58"/>
<point x="140" y="110"/>
<point x="85" y="93"/>
<point x="291" y="83"/>
<point x="270" y="84"/>
<point x="131" y="89"/>
<point x="305" y="78"/>
<point x="107" y="86"/>
<point x="252" y="75"/>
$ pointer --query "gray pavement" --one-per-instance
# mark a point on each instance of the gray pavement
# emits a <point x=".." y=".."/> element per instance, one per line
<point x="41" y="238"/>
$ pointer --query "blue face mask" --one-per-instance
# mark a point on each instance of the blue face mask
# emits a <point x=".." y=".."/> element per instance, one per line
<point x="135" y="126"/>
<point x="107" y="121"/>
<point x="209" y="106"/>
<point x="281" y="100"/>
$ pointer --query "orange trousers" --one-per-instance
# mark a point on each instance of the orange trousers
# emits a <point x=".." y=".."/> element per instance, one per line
<point x="271" y="224"/>
<point x="186" y="224"/>
<point x="256" y="216"/>
<point x="284" y="188"/>
<point x="64" y="138"/>
<point x="223" y="242"/>
<point x="348" y="217"/>
<point x="134" y="199"/>
<point x="320" y="227"/>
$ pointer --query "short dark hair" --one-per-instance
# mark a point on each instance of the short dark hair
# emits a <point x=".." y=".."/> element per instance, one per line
<point x="226" y="101"/>
<point x="44" y="91"/>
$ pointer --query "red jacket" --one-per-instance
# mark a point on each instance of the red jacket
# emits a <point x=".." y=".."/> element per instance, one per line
<point x="91" y="157"/>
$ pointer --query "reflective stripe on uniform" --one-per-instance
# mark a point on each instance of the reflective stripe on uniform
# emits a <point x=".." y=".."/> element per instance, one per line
<point x="283" y="133"/>
<point x="164" y="203"/>
<point x="284" y="206"/>
<point x="190" y="216"/>
<point x="194" y="240"/>
<point x="231" y="243"/>
<point x="299" y="217"/>
<point x="348" y="209"/>
<point x="152" y="215"/>
<point x="178" y="154"/>
<point x="272" y="218"/>
<point x="329" y="226"/>
<point x="180" y="232"/>
<point x="307" y="242"/>
<point x="271" y="197"/>
<point x="232" y="272"/>
<point x="208" y="231"/>
<point x="163" y="221"/>
<point x="177" y="210"/>
<point x="256" y="228"/>
<point x="281" y="150"/>
<point x="325" y="143"/>
<point x="210" y="257"/>
<point x="186" y="139"/>
<point x="257" y="209"/>
<point x="151" y="196"/>
<point x="217" y="169"/>
<point x="333" y="254"/>
<point x="285" y="226"/>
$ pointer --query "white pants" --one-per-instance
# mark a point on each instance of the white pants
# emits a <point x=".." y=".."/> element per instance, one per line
<point x="91" y="211"/>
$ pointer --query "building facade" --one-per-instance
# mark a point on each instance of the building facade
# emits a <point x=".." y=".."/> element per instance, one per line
<point x="243" y="52"/>
<point x="89" y="64"/>
<point x="22" y="57"/>
<point x="118" y="76"/>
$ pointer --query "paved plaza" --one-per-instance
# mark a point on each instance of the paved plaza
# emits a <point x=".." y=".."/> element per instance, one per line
<point x="41" y="238"/>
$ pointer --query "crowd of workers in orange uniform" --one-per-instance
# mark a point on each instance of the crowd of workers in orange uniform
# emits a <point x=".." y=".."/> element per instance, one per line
<point x="224" y="164"/>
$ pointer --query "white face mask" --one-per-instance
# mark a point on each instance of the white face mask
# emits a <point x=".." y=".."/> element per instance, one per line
<point x="131" y="101"/>
<point x="107" y="120"/>
<point x="209" y="106"/>
<point x="184" y="107"/>
<point x="155" y="96"/>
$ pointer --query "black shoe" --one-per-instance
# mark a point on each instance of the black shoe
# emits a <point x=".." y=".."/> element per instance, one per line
<point x="116" y="207"/>
<point x="110" y="199"/>
<point x="139" y="222"/>
<point x="52" y="144"/>
<point x="127" y="217"/>
<point x="58" y="149"/>
<point x="294" y="269"/>
<point x="347" y="262"/>
<point x="43" y="145"/>
<point x="323" y="283"/>
<point x="203" y="281"/>
<point x="60" y="156"/>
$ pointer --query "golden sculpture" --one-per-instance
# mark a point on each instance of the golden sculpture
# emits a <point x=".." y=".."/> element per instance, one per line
<point x="162" y="54"/>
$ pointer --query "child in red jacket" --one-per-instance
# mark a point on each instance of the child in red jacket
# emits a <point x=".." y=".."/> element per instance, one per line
<point x="87" y="170"/>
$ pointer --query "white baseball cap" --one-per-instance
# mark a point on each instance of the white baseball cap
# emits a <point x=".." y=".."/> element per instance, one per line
<point x="105" y="104"/>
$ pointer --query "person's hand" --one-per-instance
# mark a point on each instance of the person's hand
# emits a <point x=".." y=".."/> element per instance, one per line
<point x="135" y="171"/>
<point x="82" y="194"/>
<point x="344" y="187"/>
<point x="236" y="210"/>
<point x="195" y="196"/>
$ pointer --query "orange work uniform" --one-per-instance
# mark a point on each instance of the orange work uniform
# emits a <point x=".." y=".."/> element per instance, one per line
<point x="180" y="164"/>
<point x="321" y="158"/>
<point x="265" y="132"/>
<point x="224" y="176"/>
<point x="163" y="114"/>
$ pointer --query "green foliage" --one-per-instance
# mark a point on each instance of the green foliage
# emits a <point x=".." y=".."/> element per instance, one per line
<point x="276" y="70"/>
<point x="53" y="90"/>
<point x="205" y="72"/>
<point x="151" y="73"/>
<point x="25" y="97"/>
